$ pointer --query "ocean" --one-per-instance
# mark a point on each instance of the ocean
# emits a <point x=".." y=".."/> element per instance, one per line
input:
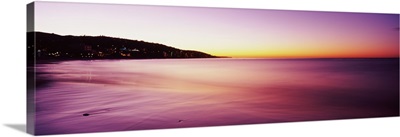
<point x="115" y="95"/>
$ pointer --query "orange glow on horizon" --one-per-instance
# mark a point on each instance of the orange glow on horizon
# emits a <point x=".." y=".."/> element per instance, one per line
<point x="311" y="53"/>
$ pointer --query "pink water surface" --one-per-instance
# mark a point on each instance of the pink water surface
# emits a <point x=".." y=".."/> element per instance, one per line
<point x="169" y="93"/>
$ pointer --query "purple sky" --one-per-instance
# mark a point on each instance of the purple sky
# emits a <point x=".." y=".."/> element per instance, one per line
<point x="230" y="32"/>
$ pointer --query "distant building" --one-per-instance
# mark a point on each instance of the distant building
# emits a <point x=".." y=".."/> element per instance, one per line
<point x="87" y="48"/>
<point x="125" y="54"/>
<point x="122" y="49"/>
<point x="100" y="54"/>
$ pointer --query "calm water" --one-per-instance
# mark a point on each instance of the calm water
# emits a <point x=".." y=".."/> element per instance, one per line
<point x="151" y="94"/>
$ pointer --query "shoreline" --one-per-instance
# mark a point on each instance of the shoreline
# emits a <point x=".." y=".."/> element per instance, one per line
<point x="40" y="61"/>
<point x="31" y="63"/>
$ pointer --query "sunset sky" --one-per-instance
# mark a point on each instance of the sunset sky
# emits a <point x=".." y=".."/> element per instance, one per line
<point x="230" y="32"/>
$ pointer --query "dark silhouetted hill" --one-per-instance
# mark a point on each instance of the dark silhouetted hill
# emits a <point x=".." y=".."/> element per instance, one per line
<point x="53" y="46"/>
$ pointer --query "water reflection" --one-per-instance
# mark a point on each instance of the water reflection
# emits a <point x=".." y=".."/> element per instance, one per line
<point x="147" y="94"/>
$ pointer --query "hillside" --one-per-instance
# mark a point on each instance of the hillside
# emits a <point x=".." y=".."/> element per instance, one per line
<point x="53" y="46"/>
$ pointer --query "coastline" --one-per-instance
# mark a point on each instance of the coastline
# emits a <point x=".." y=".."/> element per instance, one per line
<point x="54" y="61"/>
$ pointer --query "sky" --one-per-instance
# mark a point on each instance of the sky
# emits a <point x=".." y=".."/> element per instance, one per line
<point x="240" y="33"/>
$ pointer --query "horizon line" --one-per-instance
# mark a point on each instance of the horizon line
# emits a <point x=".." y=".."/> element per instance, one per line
<point x="225" y="56"/>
